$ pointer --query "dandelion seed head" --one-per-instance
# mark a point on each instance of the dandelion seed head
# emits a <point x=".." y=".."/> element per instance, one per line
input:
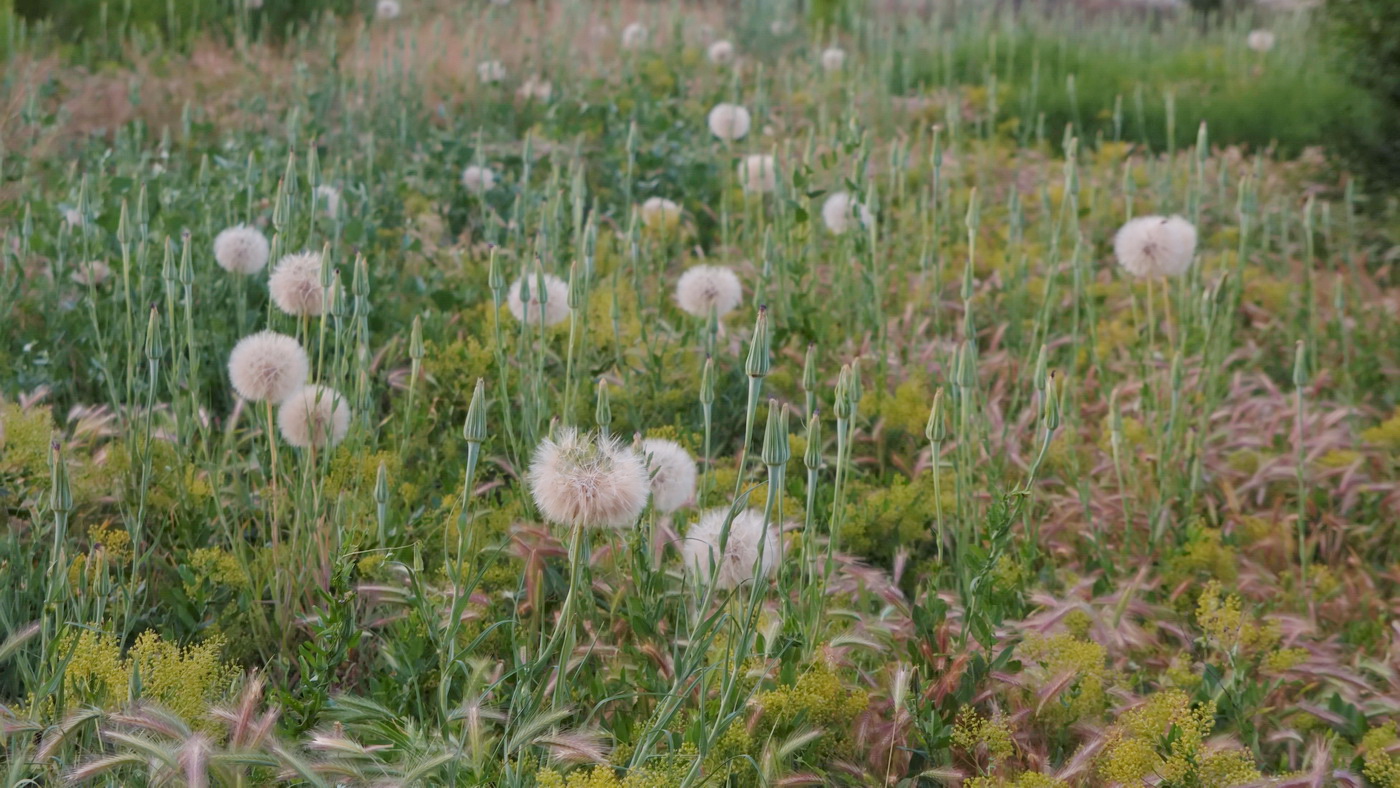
<point x="758" y="173"/>
<point x="267" y="367"/>
<point x="749" y="554"/>
<point x="708" y="287"/>
<point x="833" y="59"/>
<point x="721" y="53"/>
<point x="840" y="210"/>
<point x="1260" y="40"/>
<point x="490" y="71"/>
<point x="535" y="88"/>
<point x="729" y="122"/>
<point x="556" y="302"/>
<point x="387" y="9"/>
<point x="659" y="213"/>
<point x="73" y="217"/>
<point x="93" y="272"/>
<point x="478" y="180"/>
<point x="295" y="284"/>
<point x="1155" y="246"/>
<point x="241" y="250"/>
<point x="314" y="416"/>
<point x="330" y="196"/>
<point x="672" y="472"/>
<point x="588" y="480"/>
<point x="634" y="36"/>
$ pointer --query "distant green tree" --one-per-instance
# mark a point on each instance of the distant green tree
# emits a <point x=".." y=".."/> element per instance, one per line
<point x="1366" y="38"/>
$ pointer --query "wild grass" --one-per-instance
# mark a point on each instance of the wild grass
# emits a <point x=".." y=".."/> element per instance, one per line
<point x="1038" y="522"/>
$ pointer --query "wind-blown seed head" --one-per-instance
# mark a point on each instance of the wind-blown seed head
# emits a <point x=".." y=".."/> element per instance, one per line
<point x="556" y="305"/>
<point x="729" y="122"/>
<point x="295" y="284"/>
<point x="1155" y="246"/>
<point x="490" y="71"/>
<point x="267" y="367"/>
<point x="93" y="273"/>
<point x="758" y="173"/>
<point x="387" y="9"/>
<point x="833" y="58"/>
<point x="314" y="416"/>
<point x="749" y="554"/>
<point x="331" y="196"/>
<point x="634" y="36"/>
<point x="705" y="287"/>
<point x="721" y="53"/>
<point x="478" y="180"/>
<point x="660" y="213"/>
<point x="672" y="474"/>
<point x="840" y="210"/>
<point x="1260" y="40"/>
<point x="588" y="480"/>
<point x="241" y="250"/>
<point x="535" y="88"/>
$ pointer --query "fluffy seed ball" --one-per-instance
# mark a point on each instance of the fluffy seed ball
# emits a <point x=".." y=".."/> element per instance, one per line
<point x="840" y="210"/>
<point x="267" y="367"/>
<point x="721" y="53"/>
<point x="833" y="59"/>
<point x="706" y="287"/>
<point x="92" y="273"/>
<point x="659" y="213"/>
<point x="556" y="302"/>
<point x="583" y="479"/>
<point x="330" y="196"/>
<point x="314" y="416"/>
<point x="490" y="71"/>
<point x="478" y="180"/>
<point x="729" y="122"/>
<point x="634" y="36"/>
<point x="295" y="284"/>
<point x="387" y="9"/>
<point x="758" y="173"/>
<point x="1155" y="246"/>
<point x="672" y="474"/>
<point x="748" y="555"/>
<point x="241" y="250"/>
<point x="1260" y="40"/>
<point x="535" y="88"/>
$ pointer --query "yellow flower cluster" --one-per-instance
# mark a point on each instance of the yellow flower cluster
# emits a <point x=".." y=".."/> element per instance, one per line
<point x="114" y="541"/>
<point x="972" y="731"/>
<point x="219" y="567"/>
<point x="1022" y="780"/>
<point x="1057" y="655"/>
<point x="606" y="777"/>
<point x="1381" y="768"/>
<point x="1165" y="738"/>
<point x="26" y="436"/>
<point x="1202" y="555"/>
<point x="1222" y="618"/>
<point x="1386" y="434"/>
<point x="1284" y="659"/>
<point x="184" y="680"/>
<point x="818" y="698"/>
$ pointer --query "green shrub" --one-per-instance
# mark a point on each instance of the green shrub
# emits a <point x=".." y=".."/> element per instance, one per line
<point x="1366" y="35"/>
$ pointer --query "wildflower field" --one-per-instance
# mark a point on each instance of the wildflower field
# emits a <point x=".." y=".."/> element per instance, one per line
<point x="592" y="394"/>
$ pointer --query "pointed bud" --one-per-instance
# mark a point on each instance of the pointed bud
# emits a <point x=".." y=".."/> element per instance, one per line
<point x="937" y="428"/>
<point x="776" y="450"/>
<point x="759" y="360"/>
<point x="812" y="457"/>
<point x="707" y="383"/>
<point x="474" y="430"/>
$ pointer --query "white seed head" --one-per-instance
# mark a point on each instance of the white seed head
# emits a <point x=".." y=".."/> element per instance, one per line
<point x="708" y="287"/>
<point x="331" y="196"/>
<point x="314" y="416"/>
<point x="659" y="213"/>
<point x="721" y="53"/>
<point x="387" y="9"/>
<point x="840" y="210"/>
<point x="267" y="367"/>
<point x="672" y="474"/>
<point x="295" y="284"/>
<point x="833" y="59"/>
<point x="1155" y="246"/>
<point x="729" y="122"/>
<point x="93" y="272"/>
<point x="588" y="480"/>
<point x="535" y="88"/>
<point x="478" y="180"/>
<point x="634" y="36"/>
<point x="1260" y="40"/>
<point x="749" y="554"/>
<point x="241" y="250"/>
<point x="758" y="173"/>
<point x="556" y="302"/>
<point x="490" y="71"/>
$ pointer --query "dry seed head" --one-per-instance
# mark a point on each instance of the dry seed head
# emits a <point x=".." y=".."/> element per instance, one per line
<point x="241" y="250"/>
<point x="708" y="287"/>
<point x="729" y="122"/>
<point x="1260" y="40"/>
<point x="314" y="416"/>
<point x="833" y="58"/>
<point x="587" y="480"/>
<point x="758" y="173"/>
<point x="477" y="179"/>
<point x="267" y="367"/>
<point x="840" y="210"/>
<point x="634" y="36"/>
<point x="749" y="553"/>
<point x="1155" y="246"/>
<point x="535" y="88"/>
<point x="672" y="474"/>
<point x="556" y="299"/>
<point x="490" y="71"/>
<point x="295" y="284"/>
<point x="387" y="9"/>
<point x="721" y="53"/>
<point x="660" y="213"/>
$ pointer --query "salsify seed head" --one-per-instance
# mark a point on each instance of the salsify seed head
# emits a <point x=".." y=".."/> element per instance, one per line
<point x="556" y="299"/>
<point x="1155" y="246"/>
<point x="721" y="53"/>
<point x="758" y="173"/>
<point x="703" y="288"/>
<point x="634" y="36"/>
<point x="583" y="479"/>
<point x="295" y="284"/>
<point x="748" y="554"/>
<point x="477" y="179"/>
<point x="672" y="471"/>
<point x="840" y="210"/>
<point x="833" y="58"/>
<point x="241" y="250"/>
<point x="659" y="213"/>
<point x="314" y="416"/>
<point x="267" y="367"/>
<point x="729" y="122"/>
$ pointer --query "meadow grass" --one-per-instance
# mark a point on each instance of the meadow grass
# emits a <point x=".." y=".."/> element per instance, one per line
<point x="1034" y="521"/>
